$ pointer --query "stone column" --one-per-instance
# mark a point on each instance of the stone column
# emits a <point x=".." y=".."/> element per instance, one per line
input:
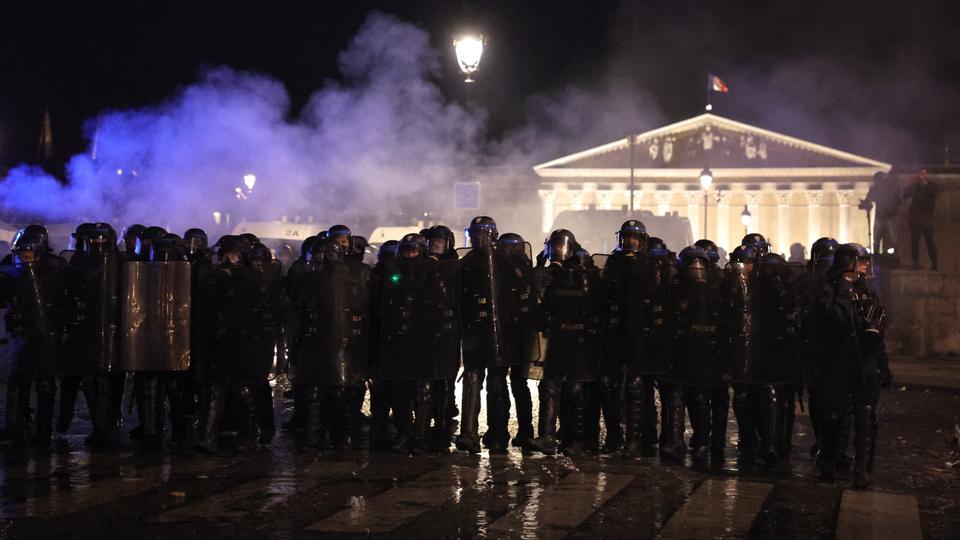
<point x="663" y="202"/>
<point x="753" y="205"/>
<point x="547" y="199"/>
<point x="783" y="223"/>
<point x="814" y="198"/>
<point x="723" y="220"/>
<point x="694" y="212"/>
<point x="844" y="199"/>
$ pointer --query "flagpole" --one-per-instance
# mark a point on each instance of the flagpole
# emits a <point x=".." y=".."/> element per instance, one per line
<point x="709" y="104"/>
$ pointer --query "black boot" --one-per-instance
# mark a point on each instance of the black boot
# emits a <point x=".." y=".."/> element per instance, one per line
<point x="843" y="440"/>
<point x="69" y="388"/>
<point x="440" y="437"/>
<point x="469" y="438"/>
<point x="865" y="441"/>
<point x="698" y="405"/>
<point x="345" y="421"/>
<point x="719" y="412"/>
<point x="610" y="388"/>
<point x="18" y="402"/>
<point x="635" y="416"/>
<point x="96" y="391"/>
<point x="497" y="437"/>
<point x="423" y="414"/>
<point x="295" y="423"/>
<point x="524" y="405"/>
<point x="786" y="415"/>
<point x="768" y="428"/>
<point x="401" y="401"/>
<point x="46" y="400"/>
<point x="211" y="409"/>
<point x="829" y="436"/>
<point x="575" y="420"/>
<point x="744" y="407"/>
<point x="263" y="409"/>
<point x="247" y="425"/>
<point x="313" y="402"/>
<point x="672" y="445"/>
<point x="181" y="408"/>
<point x="379" y="413"/>
<point x="151" y="411"/>
<point x="546" y="441"/>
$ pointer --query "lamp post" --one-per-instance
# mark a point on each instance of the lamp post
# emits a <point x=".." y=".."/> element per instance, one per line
<point x="469" y="51"/>
<point x="706" y="180"/>
<point x="746" y="218"/>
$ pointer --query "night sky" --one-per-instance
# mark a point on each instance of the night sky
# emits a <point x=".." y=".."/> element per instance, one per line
<point x="798" y="67"/>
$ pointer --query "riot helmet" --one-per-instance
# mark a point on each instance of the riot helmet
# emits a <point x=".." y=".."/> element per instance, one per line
<point x="412" y="246"/>
<point x="230" y="250"/>
<point x="130" y="236"/>
<point x="744" y="257"/>
<point x="357" y="248"/>
<point x="482" y="232"/>
<point x="710" y="248"/>
<point x="259" y="256"/>
<point x="694" y="261"/>
<point x="341" y="235"/>
<point x="194" y="240"/>
<point x="758" y="242"/>
<point x="387" y="251"/>
<point x="438" y="244"/>
<point x="448" y="234"/>
<point x="560" y="246"/>
<point x="657" y="248"/>
<point x="771" y="264"/>
<point x="100" y="239"/>
<point x="306" y="247"/>
<point x="512" y="244"/>
<point x="79" y="237"/>
<point x="166" y="248"/>
<point x="821" y="255"/>
<point x="851" y="258"/>
<point x="146" y="240"/>
<point x="632" y="236"/>
<point x="30" y="243"/>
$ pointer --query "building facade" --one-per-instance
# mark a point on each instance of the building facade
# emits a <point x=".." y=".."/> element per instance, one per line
<point x="795" y="191"/>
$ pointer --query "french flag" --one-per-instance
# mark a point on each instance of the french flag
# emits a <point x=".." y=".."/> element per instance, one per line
<point x="716" y="84"/>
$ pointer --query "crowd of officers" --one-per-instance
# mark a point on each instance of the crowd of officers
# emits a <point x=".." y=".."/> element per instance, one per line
<point x="202" y="331"/>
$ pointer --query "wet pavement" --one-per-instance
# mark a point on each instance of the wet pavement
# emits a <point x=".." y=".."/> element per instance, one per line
<point x="67" y="491"/>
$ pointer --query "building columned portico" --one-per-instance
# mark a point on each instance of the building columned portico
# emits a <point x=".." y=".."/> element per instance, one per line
<point x="795" y="191"/>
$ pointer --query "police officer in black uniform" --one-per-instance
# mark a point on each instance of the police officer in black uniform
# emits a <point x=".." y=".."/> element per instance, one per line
<point x="854" y="366"/>
<point x="571" y="312"/>
<point x="35" y="288"/>
<point x="821" y="260"/>
<point x="624" y="282"/>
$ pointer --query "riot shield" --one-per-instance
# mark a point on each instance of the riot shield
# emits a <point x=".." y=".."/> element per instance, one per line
<point x="36" y="308"/>
<point x="600" y="260"/>
<point x="93" y="333"/>
<point x="738" y="326"/>
<point x="155" y="316"/>
<point x="252" y="316"/>
<point x="483" y="297"/>
<point x="696" y="349"/>
<point x="10" y="346"/>
<point x="419" y="321"/>
<point x="572" y="306"/>
<point x="518" y="306"/>
<point x="332" y="327"/>
<point x="655" y="296"/>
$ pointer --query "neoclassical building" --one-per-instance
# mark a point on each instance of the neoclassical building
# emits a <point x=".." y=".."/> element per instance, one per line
<point x="794" y="190"/>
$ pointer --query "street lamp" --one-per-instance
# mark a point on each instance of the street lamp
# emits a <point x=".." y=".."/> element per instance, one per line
<point x="706" y="180"/>
<point x="249" y="180"/>
<point x="469" y="50"/>
<point x="746" y="218"/>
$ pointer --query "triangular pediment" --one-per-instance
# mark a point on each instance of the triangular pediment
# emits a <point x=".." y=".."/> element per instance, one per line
<point x="710" y="141"/>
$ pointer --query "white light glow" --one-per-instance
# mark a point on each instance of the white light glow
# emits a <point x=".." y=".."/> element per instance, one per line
<point x="746" y="217"/>
<point x="216" y="217"/>
<point x="469" y="50"/>
<point x="706" y="178"/>
<point x="249" y="180"/>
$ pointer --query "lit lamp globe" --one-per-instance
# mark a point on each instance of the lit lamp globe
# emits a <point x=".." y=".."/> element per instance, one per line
<point x="249" y="180"/>
<point x="469" y="50"/>
<point x="746" y="217"/>
<point x="706" y="178"/>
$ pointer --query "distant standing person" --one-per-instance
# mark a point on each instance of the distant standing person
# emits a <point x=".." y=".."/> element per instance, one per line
<point x="923" y="193"/>
<point x="885" y="193"/>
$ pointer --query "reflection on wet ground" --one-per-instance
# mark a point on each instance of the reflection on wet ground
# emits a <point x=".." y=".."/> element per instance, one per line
<point x="277" y="493"/>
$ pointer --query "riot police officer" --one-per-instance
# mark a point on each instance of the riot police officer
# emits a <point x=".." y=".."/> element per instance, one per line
<point x="821" y="260"/>
<point x="195" y="244"/>
<point x="571" y="310"/>
<point x="92" y="331"/>
<point x="757" y="242"/>
<point x="129" y="237"/>
<point x="659" y="276"/>
<point x="854" y="365"/>
<point x="35" y="285"/>
<point x="522" y="325"/>
<point x="624" y="284"/>
<point x="332" y="343"/>
<point x="485" y="309"/>
<point x="698" y="375"/>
